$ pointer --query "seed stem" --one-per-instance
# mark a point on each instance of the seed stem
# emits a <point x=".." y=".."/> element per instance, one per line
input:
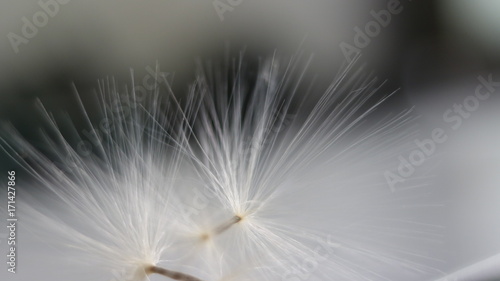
<point x="175" y="275"/>
<point x="225" y="226"/>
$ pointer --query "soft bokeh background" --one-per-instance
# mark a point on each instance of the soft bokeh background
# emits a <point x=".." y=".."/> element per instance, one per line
<point x="432" y="51"/>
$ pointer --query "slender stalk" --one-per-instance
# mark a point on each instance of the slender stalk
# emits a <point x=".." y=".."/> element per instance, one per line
<point x="175" y="275"/>
<point x="225" y="226"/>
<point x="221" y="228"/>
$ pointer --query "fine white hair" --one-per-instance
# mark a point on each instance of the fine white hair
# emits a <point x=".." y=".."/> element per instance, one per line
<point x="238" y="180"/>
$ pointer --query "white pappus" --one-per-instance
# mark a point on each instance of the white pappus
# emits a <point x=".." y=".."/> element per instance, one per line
<point x="299" y="190"/>
<point x="240" y="180"/>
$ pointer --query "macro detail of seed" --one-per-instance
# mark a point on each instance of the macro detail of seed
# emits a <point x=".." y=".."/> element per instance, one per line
<point x="236" y="180"/>
<point x="171" y="274"/>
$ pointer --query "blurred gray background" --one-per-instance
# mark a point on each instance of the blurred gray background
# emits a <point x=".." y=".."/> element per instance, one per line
<point x="432" y="51"/>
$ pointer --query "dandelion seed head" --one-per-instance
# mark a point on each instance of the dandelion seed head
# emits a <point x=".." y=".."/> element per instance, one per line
<point x="116" y="203"/>
<point x="290" y="180"/>
<point x="238" y="181"/>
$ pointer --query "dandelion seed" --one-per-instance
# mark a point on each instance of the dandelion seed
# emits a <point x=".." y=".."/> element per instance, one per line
<point x="236" y="182"/>
<point x="121" y="198"/>
<point x="280" y="178"/>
